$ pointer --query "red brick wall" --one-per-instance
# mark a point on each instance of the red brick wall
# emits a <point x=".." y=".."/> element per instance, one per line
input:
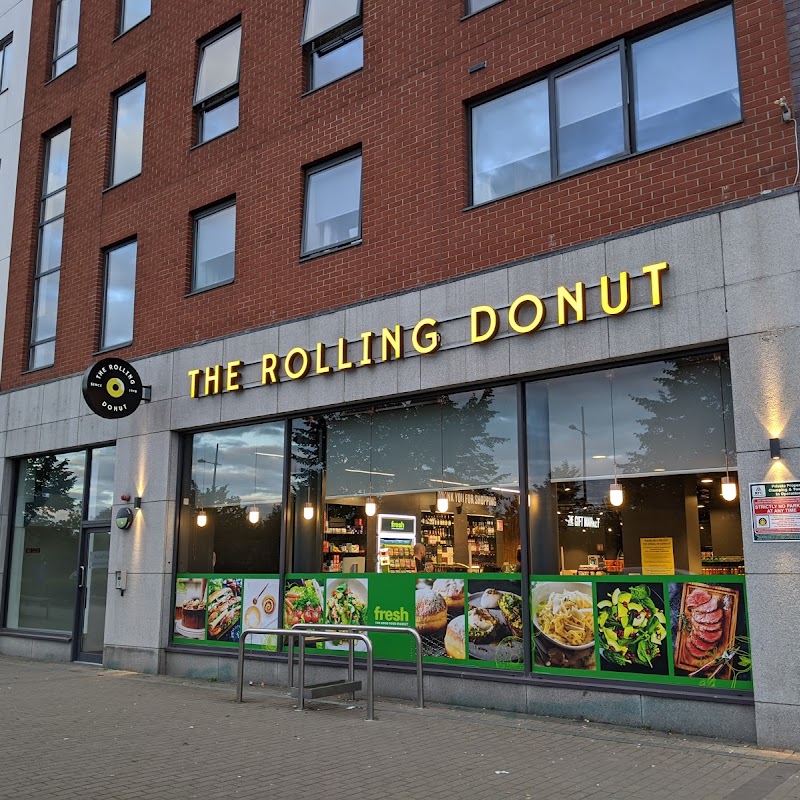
<point x="406" y="109"/>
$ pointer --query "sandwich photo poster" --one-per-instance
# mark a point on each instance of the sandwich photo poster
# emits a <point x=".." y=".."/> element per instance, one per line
<point x="680" y="630"/>
<point x="212" y="610"/>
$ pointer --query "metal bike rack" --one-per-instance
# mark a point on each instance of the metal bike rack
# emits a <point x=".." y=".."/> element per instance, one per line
<point x="321" y="689"/>
<point x="320" y="627"/>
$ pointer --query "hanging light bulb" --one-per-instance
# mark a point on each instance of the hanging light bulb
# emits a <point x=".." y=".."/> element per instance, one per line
<point x="729" y="489"/>
<point x="615" y="493"/>
<point x="308" y="511"/>
<point x="253" y="515"/>
<point x="371" y="506"/>
<point x="202" y="519"/>
<point x="442" y="503"/>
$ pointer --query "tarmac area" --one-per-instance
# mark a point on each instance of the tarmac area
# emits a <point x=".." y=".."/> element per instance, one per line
<point x="78" y="731"/>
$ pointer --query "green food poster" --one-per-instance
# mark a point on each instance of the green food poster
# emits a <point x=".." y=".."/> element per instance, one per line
<point x="679" y="630"/>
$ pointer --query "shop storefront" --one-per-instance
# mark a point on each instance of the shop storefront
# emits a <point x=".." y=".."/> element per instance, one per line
<point x="408" y="513"/>
<point x="546" y="470"/>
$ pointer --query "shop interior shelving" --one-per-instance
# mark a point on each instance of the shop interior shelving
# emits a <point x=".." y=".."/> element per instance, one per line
<point x="437" y="534"/>
<point x="481" y="539"/>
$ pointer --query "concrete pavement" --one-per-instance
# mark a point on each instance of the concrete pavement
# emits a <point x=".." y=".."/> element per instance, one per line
<point x="76" y="731"/>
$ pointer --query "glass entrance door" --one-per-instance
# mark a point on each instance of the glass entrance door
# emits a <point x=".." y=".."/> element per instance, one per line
<point x="93" y="585"/>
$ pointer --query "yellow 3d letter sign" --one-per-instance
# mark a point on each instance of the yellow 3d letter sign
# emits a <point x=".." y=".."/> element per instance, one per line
<point x="526" y="314"/>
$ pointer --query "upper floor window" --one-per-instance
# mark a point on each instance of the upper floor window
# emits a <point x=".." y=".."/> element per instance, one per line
<point x="119" y="284"/>
<point x="48" y="260"/>
<point x="473" y="6"/>
<point x="216" y="94"/>
<point x="333" y="38"/>
<point x="5" y="63"/>
<point x="133" y="12"/>
<point x="65" y="49"/>
<point x="684" y="81"/>
<point x="332" y="215"/>
<point x="214" y="246"/>
<point x="126" y="156"/>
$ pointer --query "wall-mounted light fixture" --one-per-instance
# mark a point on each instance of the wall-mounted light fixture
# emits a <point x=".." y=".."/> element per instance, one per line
<point x="137" y="502"/>
<point x="775" y="449"/>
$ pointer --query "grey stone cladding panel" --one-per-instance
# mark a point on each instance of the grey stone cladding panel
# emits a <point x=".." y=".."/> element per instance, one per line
<point x="23" y="441"/>
<point x="778" y="725"/>
<point x="772" y="602"/>
<point x="61" y="399"/>
<point x="761" y="240"/>
<point x="765" y="391"/>
<point x="693" y="249"/>
<point x="61" y="435"/>
<point x="137" y="618"/>
<point x="760" y="305"/>
<point x="25" y="407"/>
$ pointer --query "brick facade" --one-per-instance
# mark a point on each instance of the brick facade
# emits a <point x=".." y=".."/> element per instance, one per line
<point x="406" y="109"/>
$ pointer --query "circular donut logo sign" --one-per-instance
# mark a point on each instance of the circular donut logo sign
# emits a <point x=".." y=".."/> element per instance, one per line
<point x="112" y="388"/>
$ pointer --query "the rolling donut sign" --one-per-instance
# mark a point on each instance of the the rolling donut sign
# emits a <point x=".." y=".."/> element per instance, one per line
<point x="112" y="388"/>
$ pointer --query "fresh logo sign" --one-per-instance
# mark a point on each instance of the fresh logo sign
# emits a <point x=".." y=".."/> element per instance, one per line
<point x="385" y="616"/>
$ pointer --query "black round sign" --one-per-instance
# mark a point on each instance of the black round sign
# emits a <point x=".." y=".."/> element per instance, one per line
<point x="112" y="388"/>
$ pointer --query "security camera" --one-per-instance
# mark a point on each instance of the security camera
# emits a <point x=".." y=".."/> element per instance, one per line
<point x="786" y="112"/>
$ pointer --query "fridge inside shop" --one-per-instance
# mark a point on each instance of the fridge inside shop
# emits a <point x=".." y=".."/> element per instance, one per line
<point x="397" y="535"/>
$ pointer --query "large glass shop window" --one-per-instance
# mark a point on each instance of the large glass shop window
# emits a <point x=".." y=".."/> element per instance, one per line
<point x="232" y="509"/>
<point x="635" y="469"/>
<point x="429" y="485"/>
<point x="46" y="539"/>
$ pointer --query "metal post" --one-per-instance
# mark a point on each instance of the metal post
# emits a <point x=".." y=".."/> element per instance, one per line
<point x="290" y="644"/>
<point x="301" y="669"/>
<point x="240" y="669"/>
<point x="351" y="663"/>
<point x="370" y="683"/>
<point x="420" y="686"/>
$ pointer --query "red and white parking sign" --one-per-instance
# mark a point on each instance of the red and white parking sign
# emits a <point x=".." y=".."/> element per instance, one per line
<point x="775" y="510"/>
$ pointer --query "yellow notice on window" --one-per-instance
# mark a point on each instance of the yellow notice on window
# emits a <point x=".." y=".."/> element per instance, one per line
<point x="658" y="557"/>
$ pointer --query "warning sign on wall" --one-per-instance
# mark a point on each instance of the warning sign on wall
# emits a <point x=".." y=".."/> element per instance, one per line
<point x="775" y="511"/>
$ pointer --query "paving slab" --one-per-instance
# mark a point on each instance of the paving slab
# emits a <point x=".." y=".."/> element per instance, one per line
<point x="79" y="731"/>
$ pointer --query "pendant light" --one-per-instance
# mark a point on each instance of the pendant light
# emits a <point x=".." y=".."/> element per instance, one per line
<point x="253" y="511"/>
<point x="729" y="488"/>
<point x="308" y="508"/>
<point x="202" y="517"/>
<point x="371" y="506"/>
<point x="615" y="494"/>
<point x="442" y="503"/>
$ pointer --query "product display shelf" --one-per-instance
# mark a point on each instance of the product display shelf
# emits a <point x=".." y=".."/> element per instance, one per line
<point x="437" y="534"/>
<point x="481" y="539"/>
<point x="348" y="541"/>
<point x="723" y="565"/>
